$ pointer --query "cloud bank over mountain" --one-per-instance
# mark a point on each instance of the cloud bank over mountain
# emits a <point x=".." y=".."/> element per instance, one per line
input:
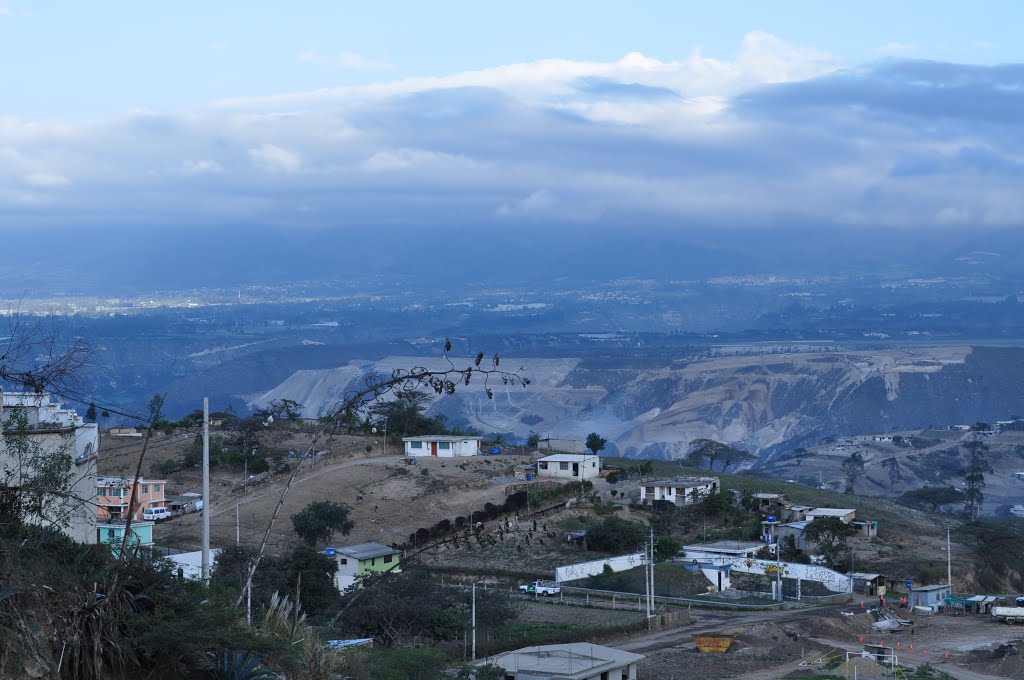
<point x="780" y="135"/>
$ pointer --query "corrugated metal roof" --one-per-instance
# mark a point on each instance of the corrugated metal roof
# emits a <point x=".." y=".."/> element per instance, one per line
<point x="442" y="438"/>
<point x="366" y="551"/>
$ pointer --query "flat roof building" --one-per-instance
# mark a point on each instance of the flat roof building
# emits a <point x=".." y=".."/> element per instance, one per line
<point x="571" y="661"/>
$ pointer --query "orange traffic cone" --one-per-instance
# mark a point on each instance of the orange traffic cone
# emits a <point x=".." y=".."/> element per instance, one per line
<point x="911" y="647"/>
<point x="862" y="604"/>
<point x="860" y="639"/>
<point x="899" y="647"/>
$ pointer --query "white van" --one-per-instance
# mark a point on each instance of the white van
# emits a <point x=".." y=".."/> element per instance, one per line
<point x="156" y="514"/>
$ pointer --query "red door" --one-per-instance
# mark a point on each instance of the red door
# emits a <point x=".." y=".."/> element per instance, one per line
<point x="433" y="448"/>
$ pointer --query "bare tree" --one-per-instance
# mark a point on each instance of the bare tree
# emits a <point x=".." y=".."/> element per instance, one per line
<point x="443" y="381"/>
<point x="37" y="355"/>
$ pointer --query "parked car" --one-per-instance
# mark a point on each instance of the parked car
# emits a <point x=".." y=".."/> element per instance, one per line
<point x="156" y="514"/>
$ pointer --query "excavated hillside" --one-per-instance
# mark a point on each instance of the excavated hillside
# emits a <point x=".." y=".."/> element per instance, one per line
<point x="764" y="403"/>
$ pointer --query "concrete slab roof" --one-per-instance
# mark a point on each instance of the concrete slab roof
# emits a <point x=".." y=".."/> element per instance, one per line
<point x="568" y="457"/>
<point x="442" y="438"/>
<point x="571" y="661"/>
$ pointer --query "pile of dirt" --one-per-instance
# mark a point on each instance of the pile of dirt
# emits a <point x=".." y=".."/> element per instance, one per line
<point x="1005" y="660"/>
<point x="864" y="668"/>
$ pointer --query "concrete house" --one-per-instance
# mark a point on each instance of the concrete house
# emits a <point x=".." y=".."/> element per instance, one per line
<point x="679" y="491"/>
<point x="571" y="661"/>
<point x="114" y="493"/>
<point x="845" y="515"/>
<point x="442" y="445"/>
<point x="112" y="534"/>
<point x="569" y="466"/>
<point x="50" y="429"/>
<point x="356" y="560"/>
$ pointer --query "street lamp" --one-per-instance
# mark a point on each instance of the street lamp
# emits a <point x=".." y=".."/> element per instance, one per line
<point x="374" y="430"/>
<point x="473" y="609"/>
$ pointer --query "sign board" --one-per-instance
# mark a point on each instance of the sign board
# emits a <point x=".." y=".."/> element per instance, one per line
<point x="909" y="583"/>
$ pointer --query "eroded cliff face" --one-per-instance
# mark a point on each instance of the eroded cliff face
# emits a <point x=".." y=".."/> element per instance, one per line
<point x="762" y="403"/>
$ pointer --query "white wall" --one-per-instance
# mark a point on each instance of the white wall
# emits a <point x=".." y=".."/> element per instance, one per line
<point x="668" y="492"/>
<point x="589" y="468"/>
<point x="572" y="572"/>
<point x="458" y="447"/>
<point x="833" y="580"/>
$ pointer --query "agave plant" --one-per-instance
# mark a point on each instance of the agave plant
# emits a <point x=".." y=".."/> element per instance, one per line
<point x="242" y="666"/>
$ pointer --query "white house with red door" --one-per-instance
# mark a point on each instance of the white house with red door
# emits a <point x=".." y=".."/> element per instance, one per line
<point x="442" y="445"/>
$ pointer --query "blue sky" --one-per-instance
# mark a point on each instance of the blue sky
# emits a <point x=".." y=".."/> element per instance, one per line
<point x="899" y="113"/>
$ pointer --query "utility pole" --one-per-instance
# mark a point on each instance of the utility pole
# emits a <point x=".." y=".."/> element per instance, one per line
<point x="206" y="490"/>
<point x="237" y="523"/>
<point x="653" y="605"/>
<point x="949" y="563"/>
<point x="778" y="568"/>
<point x="474" y="621"/>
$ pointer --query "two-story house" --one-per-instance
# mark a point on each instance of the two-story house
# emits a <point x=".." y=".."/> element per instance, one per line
<point x="114" y="493"/>
<point x="679" y="491"/>
<point x="358" y="560"/>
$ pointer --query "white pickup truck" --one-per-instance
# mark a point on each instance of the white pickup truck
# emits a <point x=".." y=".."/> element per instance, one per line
<point x="547" y="588"/>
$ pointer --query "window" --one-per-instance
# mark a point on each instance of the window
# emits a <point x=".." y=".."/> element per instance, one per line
<point x="543" y="466"/>
<point x="444" y="445"/>
<point x="415" y="445"/>
<point x="110" y="533"/>
<point x="343" y="560"/>
<point x="145" y="488"/>
<point x="373" y="561"/>
<point x="387" y="559"/>
<point x="563" y="466"/>
<point x="156" y="488"/>
<point x="593" y="464"/>
<point x="649" y="490"/>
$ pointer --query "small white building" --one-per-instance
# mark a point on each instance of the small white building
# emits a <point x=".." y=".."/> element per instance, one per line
<point x="571" y="661"/>
<point x="569" y="466"/>
<point x="442" y="445"/>
<point x="845" y="515"/>
<point x="680" y="491"/>
<point x="190" y="564"/>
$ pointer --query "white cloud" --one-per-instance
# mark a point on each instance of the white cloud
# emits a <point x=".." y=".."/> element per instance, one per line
<point x="46" y="180"/>
<point x="776" y="133"/>
<point x="201" y="167"/>
<point x="897" y="48"/>
<point x="352" y="61"/>
<point x="273" y="157"/>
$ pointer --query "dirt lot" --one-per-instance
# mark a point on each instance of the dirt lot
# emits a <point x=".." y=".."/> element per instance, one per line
<point x="790" y="643"/>
<point x="397" y="499"/>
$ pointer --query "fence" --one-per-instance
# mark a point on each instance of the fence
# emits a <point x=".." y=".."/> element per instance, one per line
<point x="665" y="599"/>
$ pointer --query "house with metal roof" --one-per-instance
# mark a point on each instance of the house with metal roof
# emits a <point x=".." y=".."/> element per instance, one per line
<point x="442" y="445"/>
<point x="932" y="597"/>
<point x="365" y="558"/>
<point x="571" y="661"/>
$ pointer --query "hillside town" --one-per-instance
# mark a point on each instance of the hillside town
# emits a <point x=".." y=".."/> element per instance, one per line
<point x="609" y="567"/>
